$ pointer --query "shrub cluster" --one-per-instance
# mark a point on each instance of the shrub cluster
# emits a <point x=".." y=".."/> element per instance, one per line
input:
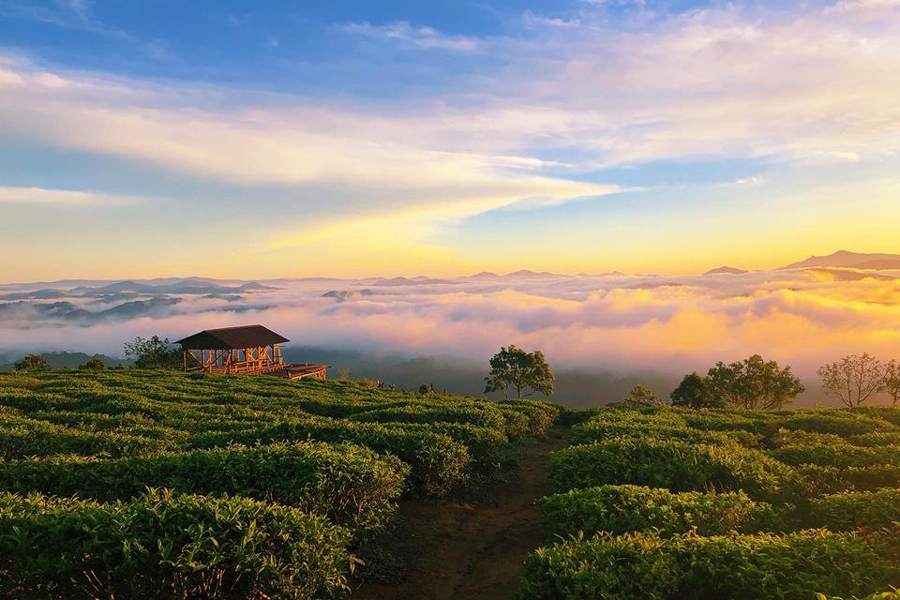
<point x="266" y="486"/>
<point x="618" y="509"/>
<point x="738" y="567"/>
<point x="163" y="545"/>
<point x="666" y="503"/>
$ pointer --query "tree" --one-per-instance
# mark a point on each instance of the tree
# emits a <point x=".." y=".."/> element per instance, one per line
<point x="753" y="383"/>
<point x="95" y="363"/>
<point x="153" y="353"/>
<point x="853" y="379"/>
<point x="513" y="367"/>
<point x="892" y="381"/>
<point x="641" y="395"/>
<point x="32" y="362"/>
<point x="694" y="392"/>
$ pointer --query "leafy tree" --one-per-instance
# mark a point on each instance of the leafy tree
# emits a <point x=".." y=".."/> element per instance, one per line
<point x="753" y="383"/>
<point x="513" y="367"/>
<point x="32" y="362"/>
<point x="427" y="388"/>
<point x="853" y="379"/>
<point x="892" y="381"/>
<point x="641" y="395"/>
<point x="153" y="353"/>
<point x="694" y="392"/>
<point x="95" y="363"/>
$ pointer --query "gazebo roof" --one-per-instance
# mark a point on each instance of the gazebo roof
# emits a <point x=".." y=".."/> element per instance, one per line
<point x="232" y="338"/>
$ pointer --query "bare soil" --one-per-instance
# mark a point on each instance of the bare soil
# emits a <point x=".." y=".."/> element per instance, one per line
<point x="469" y="551"/>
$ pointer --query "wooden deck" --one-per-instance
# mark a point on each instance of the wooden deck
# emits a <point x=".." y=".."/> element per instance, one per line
<point x="302" y="370"/>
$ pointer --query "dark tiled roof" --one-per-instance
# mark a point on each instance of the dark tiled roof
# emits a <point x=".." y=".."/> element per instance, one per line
<point x="247" y="336"/>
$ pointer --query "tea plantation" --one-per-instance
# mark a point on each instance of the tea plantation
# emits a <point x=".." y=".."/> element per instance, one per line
<point x="666" y="504"/>
<point x="149" y="484"/>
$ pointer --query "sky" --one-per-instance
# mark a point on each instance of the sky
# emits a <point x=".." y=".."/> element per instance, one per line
<point x="358" y="138"/>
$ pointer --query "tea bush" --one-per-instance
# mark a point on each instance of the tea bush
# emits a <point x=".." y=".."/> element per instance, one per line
<point x="738" y="567"/>
<point x="167" y="546"/>
<point x="351" y="484"/>
<point x="678" y="466"/>
<point x="852" y="510"/>
<point x="619" y="509"/>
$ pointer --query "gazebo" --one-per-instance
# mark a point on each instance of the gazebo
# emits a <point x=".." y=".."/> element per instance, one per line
<point x="246" y="349"/>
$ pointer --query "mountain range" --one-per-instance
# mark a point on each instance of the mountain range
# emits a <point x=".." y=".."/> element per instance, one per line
<point x="848" y="260"/>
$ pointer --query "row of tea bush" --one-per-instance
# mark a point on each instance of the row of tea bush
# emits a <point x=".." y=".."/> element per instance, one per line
<point x="169" y="486"/>
<point x="664" y="503"/>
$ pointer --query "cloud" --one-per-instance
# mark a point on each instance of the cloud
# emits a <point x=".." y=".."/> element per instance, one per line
<point x="425" y="38"/>
<point x="38" y="196"/>
<point x="617" y="324"/>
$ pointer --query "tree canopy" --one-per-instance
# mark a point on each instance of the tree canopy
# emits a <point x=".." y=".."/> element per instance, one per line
<point x="514" y="368"/>
<point x="643" y="396"/>
<point x="694" y="392"/>
<point x="152" y="353"/>
<point x="31" y="362"/>
<point x="853" y="379"/>
<point x="753" y="383"/>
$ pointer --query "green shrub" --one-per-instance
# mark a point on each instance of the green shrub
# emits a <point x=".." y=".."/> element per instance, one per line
<point x="598" y="431"/>
<point x="828" y="480"/>
<point x="30" y="438"/>
<point x="619" y="509"/>
<point x="878" y="438"/>
<point x="678" y="466"/>
<point x="836" y="455"/>
<point x="851" y="510"/>
<point x="689" y="567"/>
<point x="168" y="547"/>
<point x="437" y="462"/>
<point x="350" y="484"/>
<point x="843" y="423"/>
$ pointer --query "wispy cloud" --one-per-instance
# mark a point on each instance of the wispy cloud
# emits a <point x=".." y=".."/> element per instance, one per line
<point x="38" y="196"/>
<point x="423" y="37"/>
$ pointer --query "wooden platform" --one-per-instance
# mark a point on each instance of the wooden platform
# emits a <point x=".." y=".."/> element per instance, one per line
<point x="302" y="370"/>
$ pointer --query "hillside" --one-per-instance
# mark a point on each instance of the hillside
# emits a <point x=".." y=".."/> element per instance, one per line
<point x="68" y="360"/>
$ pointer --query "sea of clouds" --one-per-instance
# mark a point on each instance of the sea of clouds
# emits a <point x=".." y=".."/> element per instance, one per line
<point x="596" y="330"/>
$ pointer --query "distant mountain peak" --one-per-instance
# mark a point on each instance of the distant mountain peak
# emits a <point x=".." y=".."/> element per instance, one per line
<point x="726" y="270"/>
<point x="848" y="260"/>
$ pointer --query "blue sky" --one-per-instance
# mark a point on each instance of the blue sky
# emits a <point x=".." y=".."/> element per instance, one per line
<point x="379" y="138"/>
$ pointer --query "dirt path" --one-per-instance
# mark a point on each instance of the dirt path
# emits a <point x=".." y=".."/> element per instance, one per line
<point x="470" y="552"/>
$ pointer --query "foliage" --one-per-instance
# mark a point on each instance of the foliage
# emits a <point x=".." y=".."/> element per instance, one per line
<point x="95" y="363"/>
<point x="167" y="546"/>
<point x="513" y="367"/>
<point x="738" y="567"/>
<point x="892" y="381"/>
<point x="678" y="466"/>
<point x="642" y="396"/>
<point x="31" y="362"/>
<point x="350" y="484"/>
<point x="754" y="383"/>
<point x="851" y="510"/>
<point x="618" y="509"/>
<point x="694" y="392"/>
<point x="853" y="379"/>
<point x="152" y="353"/>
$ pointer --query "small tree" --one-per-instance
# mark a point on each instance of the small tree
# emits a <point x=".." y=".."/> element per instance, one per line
<point x="853" y="379"/>
<point x="95" y="363"/>
<point x="153" y="353"/>
<point x="641" y="395"/>
<point x="32" y="362"/>
<point x="694" y="392"/>
<point x="892" y="381"/>
<point x="754" y="383"/>
<point x="513" y="367"/>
